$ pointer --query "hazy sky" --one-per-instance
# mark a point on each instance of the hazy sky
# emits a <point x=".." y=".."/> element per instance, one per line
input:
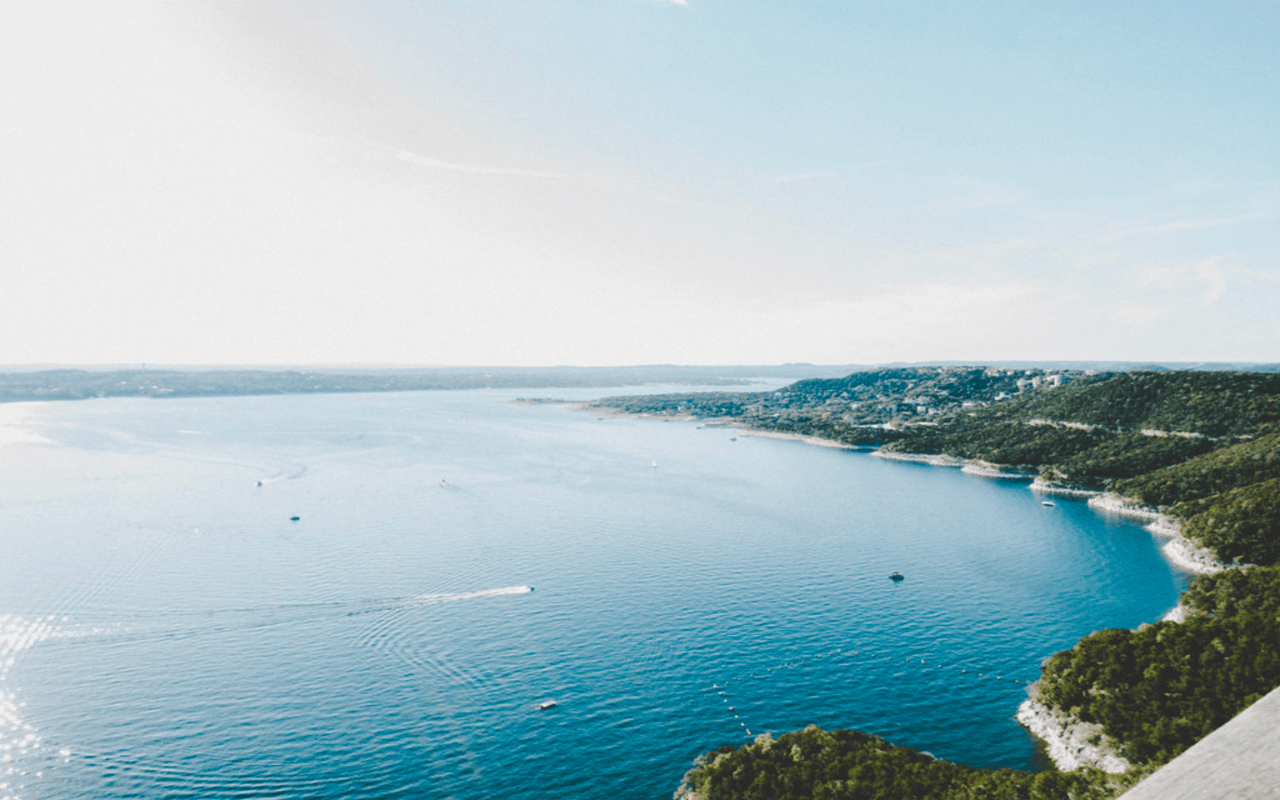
<point x="638" y="181"/>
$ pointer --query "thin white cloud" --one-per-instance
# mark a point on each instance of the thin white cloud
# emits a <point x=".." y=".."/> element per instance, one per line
<point x="971" y="193"/>
<point x="435" y="163"/>
<point x="806" y="176"/>
<point x="905" y="322"/>
<point x="818" y="175"/>
<point x="1214" y="279"/>
<point x="1205" y="281"/>
<point x="1184" y="225"/>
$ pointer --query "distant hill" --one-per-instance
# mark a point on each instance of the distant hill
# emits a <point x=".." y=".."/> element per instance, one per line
<point x="80" y="384"/>
<point x="870" y="407"/>
<point x="83" y="382"/>
<point x="1089" y="429"/>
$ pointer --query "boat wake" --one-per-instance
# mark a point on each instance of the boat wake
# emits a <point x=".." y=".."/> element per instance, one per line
<point x="291" y="474"/>
<point x="431" y="599"/>
<point x="160" y="624"/>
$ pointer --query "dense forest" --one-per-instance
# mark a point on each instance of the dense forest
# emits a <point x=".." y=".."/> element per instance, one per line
<point x="1163" y="687"/>
<point x="1201" y="447"/>
<point x="814" y="764"/>
<point x="872" y="407"/>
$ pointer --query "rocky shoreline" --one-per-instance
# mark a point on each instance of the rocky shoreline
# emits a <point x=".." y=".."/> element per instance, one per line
<point x="1179" y="549"/>
<point x="985" y="469"/>
<point x="1057" y="489"/>
<point x="817" y="441"/>
<point x="1072" y="743"/>
<point x="933" y="460"/>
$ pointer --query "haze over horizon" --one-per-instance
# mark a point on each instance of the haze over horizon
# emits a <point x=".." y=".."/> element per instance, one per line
<point x="613" y="182"/>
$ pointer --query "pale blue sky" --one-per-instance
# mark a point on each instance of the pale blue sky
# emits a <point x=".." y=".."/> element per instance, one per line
<point x="639" y="181"/>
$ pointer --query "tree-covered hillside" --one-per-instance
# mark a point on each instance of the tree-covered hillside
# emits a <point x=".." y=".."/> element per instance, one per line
<point x="847" y="765"/>
<point x="1206" y="403"/>
<point x="1239" y="524"/>
<point x="871" y="407"/>
<point x="1228" y="466"/>
<point x="1162" y="688"/>
<point x="1121" y="427"/>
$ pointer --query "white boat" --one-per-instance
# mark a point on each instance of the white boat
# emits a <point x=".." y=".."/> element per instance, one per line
<point x="543" y="706"/>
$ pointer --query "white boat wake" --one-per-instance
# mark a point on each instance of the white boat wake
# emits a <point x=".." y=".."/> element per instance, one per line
<point x="427" y="599"/>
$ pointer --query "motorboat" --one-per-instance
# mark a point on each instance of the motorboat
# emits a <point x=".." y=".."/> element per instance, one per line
<point x="897" y="576"/>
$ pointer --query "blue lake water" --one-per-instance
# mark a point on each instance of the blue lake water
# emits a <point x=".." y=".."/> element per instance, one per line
<point x="167" y="630"/>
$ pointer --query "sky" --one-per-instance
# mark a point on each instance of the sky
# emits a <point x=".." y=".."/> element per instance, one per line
<point x="615" y="182"/>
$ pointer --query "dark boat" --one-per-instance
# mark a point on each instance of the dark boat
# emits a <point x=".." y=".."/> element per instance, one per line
<point x="897" y="576"/>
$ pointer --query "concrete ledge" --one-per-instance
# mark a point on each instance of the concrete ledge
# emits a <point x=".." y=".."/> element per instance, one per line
<point x="1239" y="761"/>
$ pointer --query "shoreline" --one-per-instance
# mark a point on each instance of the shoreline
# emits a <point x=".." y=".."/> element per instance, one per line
<point x="985" y="469"/>
<point x="933" y="460"/>
<point x="1176" y="614"/>
<point x="1179" y="550"/>
<point x="817" y="441"/>
<point x="1072" y="743"/>
<point x="1042" y="486"/>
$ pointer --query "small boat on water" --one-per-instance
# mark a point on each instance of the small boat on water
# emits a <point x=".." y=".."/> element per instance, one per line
<point x="897" y="576"/>
<point x="543" y="706"/>
<point x="1047" y="503"/>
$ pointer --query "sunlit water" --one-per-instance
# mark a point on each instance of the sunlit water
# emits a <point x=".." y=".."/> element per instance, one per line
<point x="167" y="630"/>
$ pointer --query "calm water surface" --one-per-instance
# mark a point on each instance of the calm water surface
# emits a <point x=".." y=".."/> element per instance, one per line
<point x="167" y="630"/>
